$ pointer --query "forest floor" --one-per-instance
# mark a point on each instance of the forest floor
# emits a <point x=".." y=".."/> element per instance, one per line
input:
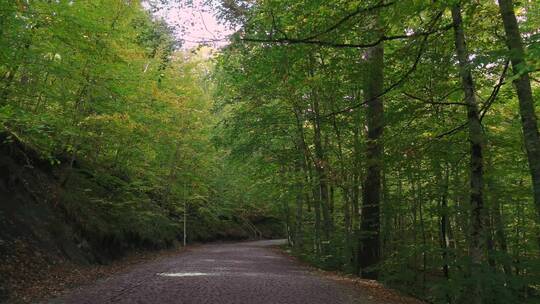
<point x="222" y="273"/>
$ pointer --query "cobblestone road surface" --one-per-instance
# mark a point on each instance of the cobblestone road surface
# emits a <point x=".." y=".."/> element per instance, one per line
<point x="231" y="273"/>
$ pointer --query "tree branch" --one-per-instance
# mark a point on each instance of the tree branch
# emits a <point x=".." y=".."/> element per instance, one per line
<point x="495" y="92"/>
<point x="433" y="102"/>
<point x="401" y="80"/>
<point x="358" y="11"/>
<point x="290" y="41"/>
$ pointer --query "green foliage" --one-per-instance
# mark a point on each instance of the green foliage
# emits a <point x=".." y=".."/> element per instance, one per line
<point x="292" y="71"/>
<point x="101" y="89"/>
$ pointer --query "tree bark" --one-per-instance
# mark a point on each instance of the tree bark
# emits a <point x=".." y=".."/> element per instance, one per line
<point x="369" y="251"/>
<point x="497" y="223"/>
<point x="298" y="231"/>
<point x="320" y="168"/>
<point x="525" y="97"/>
<point x="308" y="180"/>
<point x="443" y="222"/>
<point x="476" y="139"/>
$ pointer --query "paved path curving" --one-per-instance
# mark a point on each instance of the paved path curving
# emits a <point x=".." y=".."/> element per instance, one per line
<point x="236" y="273"/>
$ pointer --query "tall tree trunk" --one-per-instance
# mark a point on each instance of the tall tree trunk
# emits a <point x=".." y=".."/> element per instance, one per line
<point x="308" y="179"/>
<point x="476" y="139"/>
<point x="386" y="215"/>
<point x="369" y="251"/>
<point x="357" y="178"/>
<point x="423" y="232"/>
<point x="298" y="236"/>
<point x="317" y="208"/>
<point x="400" y="232"/>
<point x="525" y="97"/>
<point x="499" y="233"/>
<point x="298" y="232"/>
<point x="444" y="239"/>
<point x="414" y="213"/>
<point x="489" y="231"/>
<point x="347" y="185"/>
<point x="320" y="168"/>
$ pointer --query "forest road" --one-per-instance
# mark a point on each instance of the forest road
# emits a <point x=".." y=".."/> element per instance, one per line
<point x="230" y="273"/>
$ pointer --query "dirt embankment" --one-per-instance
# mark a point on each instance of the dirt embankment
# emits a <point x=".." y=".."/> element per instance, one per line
<point x="34" y="233"/>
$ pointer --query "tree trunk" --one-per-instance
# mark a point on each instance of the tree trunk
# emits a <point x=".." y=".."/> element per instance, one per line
<point x="443" y="225"/>
<point x="299" y="217"/>
<point x="357" y="178"/>
<point x="476" y="139"/>
<point x="320" y="168"/>
<point x="497" y="222"/>
<point x="308" y="179"/>
<point x="369" y="251"/>
<point x="525" y="97"/>
<point x="347" y="187"/>
<point x="423" y="232"/>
